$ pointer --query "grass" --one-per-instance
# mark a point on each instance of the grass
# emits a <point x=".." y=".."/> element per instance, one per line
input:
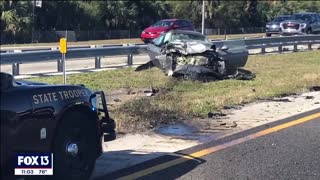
<point x="124" y="41"/>
<point x="276" y="75"/>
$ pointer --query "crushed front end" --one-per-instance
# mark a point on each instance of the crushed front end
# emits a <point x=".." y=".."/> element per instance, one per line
<point x="195" y="60"/>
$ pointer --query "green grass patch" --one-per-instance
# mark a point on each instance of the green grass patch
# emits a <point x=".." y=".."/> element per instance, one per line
<point x="275" y="75"/>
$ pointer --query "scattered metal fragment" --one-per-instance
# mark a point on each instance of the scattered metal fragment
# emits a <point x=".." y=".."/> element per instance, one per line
<point x="216" y="114"/>
<point x="314" y="88"/>
<point x="281" y="100"/>
<point x="232" y="107"/>
<point x="234" y="124"/>
<point x="309" y="97"/>
<point x="223" y="124"/>
<point x="130" y="91"/>
<point x="149" y="94"/>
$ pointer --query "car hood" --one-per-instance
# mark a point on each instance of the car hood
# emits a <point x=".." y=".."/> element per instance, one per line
<point x="273" y="23"/>
<point x="191" y="46"/>
<point x="294" y="21"/>
<point x="156" y="29"/>
<point x="25" y="82"/>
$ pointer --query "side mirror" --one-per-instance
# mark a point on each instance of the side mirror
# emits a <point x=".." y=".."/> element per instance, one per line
<point x="224" y="48"/>
<point x="6" y="81"/>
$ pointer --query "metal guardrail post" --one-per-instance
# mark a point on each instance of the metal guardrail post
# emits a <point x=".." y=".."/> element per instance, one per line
<point x="263" y="49"/>
<point x="309" y="45"/>
<point x="280" y="48"/>
<point x="59" y="65"/>
<point x="130" y="56"/>
<point x="97" y="62"/>
<point x="15" y="69"/>
<point x="295" y="47"/>
<point x="97" y="59"/>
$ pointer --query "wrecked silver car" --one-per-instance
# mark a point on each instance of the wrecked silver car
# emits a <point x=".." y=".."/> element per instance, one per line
<point x="190" y="55"/>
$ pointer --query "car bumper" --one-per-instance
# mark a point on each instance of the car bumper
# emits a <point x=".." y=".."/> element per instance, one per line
<point x="149" y="35"/>
<point x="273" y="30"/>
<point x="147" y="40"/>
<point x="291" y="31"/>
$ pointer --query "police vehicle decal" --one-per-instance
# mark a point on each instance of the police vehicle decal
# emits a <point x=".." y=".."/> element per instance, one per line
<point x="55" y="96"/>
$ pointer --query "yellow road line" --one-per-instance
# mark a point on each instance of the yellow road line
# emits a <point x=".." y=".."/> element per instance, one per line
<point x="217" y="148"/>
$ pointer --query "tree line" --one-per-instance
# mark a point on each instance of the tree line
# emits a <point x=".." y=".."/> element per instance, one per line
<point x="23" y="17"/>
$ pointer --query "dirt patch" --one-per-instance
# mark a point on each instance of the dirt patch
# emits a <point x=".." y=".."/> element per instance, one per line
<point x="135" y="112"/>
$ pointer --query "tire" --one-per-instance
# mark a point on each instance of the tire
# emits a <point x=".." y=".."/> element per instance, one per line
<point x="75" y="128"/>
<point x="268" y="35"/>
<point x="309" y="31"/>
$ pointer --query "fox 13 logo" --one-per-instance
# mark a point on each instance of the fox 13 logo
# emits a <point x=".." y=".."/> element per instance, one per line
<point x="34" y="164"/>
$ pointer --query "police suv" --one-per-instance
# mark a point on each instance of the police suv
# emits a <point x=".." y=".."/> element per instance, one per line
<point x="51" y="127"/>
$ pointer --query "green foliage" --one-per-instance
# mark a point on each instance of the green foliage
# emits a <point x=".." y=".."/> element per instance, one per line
<point x="17" y="16"/>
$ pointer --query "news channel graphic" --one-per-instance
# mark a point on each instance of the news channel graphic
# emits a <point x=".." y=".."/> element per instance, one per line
<point x="34" y="164"/>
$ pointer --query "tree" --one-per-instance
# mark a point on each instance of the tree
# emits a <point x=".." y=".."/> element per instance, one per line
<point x="15" y="17"/>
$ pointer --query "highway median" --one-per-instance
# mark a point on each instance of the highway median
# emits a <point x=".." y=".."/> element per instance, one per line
<point x="144" y="100"/>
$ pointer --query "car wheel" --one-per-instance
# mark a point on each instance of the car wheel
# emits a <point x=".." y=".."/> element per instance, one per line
<point x="75" y="147"/>
<point x="309" y="31"/>
<point x="268" y="35"/>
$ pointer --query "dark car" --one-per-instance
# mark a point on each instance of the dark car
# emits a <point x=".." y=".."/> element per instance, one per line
<point x="165" y="25"/>
<point x="301" y="23"/>
<point x="191" y="55"/>
<point x="66" y="120"/>
<point x="273" y="27"/>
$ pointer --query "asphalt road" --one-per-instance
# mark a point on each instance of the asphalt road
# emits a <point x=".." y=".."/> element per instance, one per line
<point x="286" y="149"/>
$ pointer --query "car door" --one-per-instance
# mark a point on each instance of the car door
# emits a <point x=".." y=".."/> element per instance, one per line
<point x="153" y="48"/>
<point x="234" y="52"/>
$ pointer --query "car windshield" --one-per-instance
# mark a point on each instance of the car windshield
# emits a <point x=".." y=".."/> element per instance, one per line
<point x="303" y="17"/>
<point x="282" y="18"/>
<point x="188" y="36"/>
<point x="162" y="24"/>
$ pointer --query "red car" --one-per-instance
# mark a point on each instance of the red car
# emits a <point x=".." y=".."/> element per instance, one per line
<point x="165" y="25"/>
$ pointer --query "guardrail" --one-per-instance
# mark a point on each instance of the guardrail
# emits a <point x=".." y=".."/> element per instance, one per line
<point x="18" y="57"/>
